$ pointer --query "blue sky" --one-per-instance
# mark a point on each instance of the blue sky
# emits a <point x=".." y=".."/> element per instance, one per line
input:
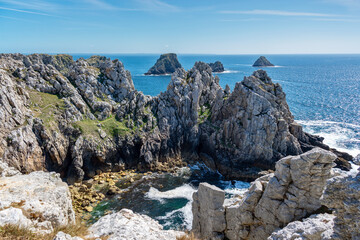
<point x="181" y="26"/>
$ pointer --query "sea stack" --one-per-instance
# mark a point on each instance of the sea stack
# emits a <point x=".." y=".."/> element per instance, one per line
<point x="217" y="67"/>
<point x="166" y="64"/>
<point x="262" y="62"/>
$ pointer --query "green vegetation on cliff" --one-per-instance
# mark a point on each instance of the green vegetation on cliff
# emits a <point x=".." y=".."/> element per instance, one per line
<point x="110" y="126"/>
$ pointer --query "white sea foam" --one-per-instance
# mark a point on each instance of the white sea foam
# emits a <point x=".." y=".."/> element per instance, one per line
<point x="185" y="191"/>
<point x="226" y="71"/>
<point x="342" y="136"/>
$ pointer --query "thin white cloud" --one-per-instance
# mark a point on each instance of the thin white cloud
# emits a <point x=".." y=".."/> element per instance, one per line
<point x="280" y="13"/>
<point x="335" y="19"/>
<point x="100" y="4"/>
<point x="24" y="11"/>
<point x="242" y="20"/>
<point x="347" y="3"/>
<point x="157" y="5"/>
<point x="33" y="5"/>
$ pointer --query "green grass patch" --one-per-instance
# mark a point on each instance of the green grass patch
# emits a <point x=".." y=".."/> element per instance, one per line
<point x="46" y="106"/>
<point x="110" y="125"/>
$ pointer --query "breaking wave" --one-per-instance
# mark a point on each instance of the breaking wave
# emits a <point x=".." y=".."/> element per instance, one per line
<point x="342" y="136"/>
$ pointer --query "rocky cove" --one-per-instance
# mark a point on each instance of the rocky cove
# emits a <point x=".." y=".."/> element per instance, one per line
<point x="84" y="118"/>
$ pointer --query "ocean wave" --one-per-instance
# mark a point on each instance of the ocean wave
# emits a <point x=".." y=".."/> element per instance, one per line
<point x="185" y="191"/>
<point x="226" y="71"/>
<point x="342" y="136"/>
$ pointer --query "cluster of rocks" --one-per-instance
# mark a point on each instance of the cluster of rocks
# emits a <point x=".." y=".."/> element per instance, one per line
<point x="278" y="205"/>
<point x="41" y="203"/>
<point x="83" y="117"/>
<point x="86" y="195"/>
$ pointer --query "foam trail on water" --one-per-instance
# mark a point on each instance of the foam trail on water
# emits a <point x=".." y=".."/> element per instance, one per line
<point x="185" y="191"/>
<point x="342" y="136"/>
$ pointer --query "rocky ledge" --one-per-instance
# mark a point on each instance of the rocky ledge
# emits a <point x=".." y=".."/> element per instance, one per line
<point x="81" y="118"/>
<point x="166" y="64"/>
<point x="217" y="67"/>
<point x="262" y="62"/>
<point x="305" y="198"/>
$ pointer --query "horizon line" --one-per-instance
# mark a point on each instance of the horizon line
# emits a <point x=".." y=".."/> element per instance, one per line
<point x="179" y="53"/>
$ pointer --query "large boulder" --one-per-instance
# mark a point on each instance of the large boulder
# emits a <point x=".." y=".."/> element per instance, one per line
<point x="126" y="224"/>
<point x="40" y="201"/>
<point x="208" y="212"/>
<point x="274" y="200"/>
<point x="315" y="227"/>
<point x="166" y="64"/>
<point x="342" y="195"/>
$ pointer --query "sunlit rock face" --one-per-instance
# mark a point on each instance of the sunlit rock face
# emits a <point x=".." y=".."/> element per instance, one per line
<point x="83" y="117"/>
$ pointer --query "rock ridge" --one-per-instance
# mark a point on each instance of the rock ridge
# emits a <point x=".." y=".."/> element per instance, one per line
<point x="83" y="117"/>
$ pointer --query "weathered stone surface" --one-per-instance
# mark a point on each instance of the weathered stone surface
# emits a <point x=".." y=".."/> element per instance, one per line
<point x="166" y="64"/>
<point x="6" y="171"/>
<point x="262" y="62"/>
<point x="290" y="194"/>
<point x="274" y="200"/>
<point x="217" y="67"/>
<point x="126" y="224"/>
<point x="64" y="236"/>
<point x="38" y="200"/>
<point x="342" y="194"/>
<point x="315" y="227"/>
<point x="79" y="117"/>
<point x="208" y="212"/>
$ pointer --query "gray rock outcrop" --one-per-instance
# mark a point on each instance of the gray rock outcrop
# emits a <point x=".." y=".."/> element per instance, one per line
<point x="274" y="200"/>
<point x="166" y="64"/>
<point x="208" y="212"/>
<point x="262" y="62"/>
<point x="126" y="224"/>
<point x="217" y="67"/>
<point x="82" y="117"/>
<point x="39" y="201"/>
<point x="315" y="227"/>
<point x="342" y="195"/>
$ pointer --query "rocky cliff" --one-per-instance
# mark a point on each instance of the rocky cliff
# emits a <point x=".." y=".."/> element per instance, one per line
<point x="166" y="64"/>
<point x="83" y="117"/>
<point x="273" y="201"/>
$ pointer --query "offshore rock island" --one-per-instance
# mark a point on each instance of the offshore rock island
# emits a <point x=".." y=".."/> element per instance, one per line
<point x="166" y="64"/>
<point x="262" y="62"/>
<point x="84" y="119"/>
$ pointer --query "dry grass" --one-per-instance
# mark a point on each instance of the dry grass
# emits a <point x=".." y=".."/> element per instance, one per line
<point x="187" y="236"/>
<point x="11" y="232"/>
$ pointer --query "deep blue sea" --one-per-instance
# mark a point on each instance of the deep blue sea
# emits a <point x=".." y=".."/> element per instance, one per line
<point x="323" y="95"/>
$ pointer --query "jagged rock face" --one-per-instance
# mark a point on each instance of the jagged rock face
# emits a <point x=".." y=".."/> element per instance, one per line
<point x="208" y="212"/>
<point x="315" y="227"/>
<point x="249" y="127"/>
<point x="217" y="67"/>
<point x="39" y="201"/>
<point x="126" y="224"/>
<point x="342" y="194"/>
<point x="80" y="117"/>
<point x="262" y="62"/>
<point x="166" y="64"/>
<point x="274" y="200"/>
